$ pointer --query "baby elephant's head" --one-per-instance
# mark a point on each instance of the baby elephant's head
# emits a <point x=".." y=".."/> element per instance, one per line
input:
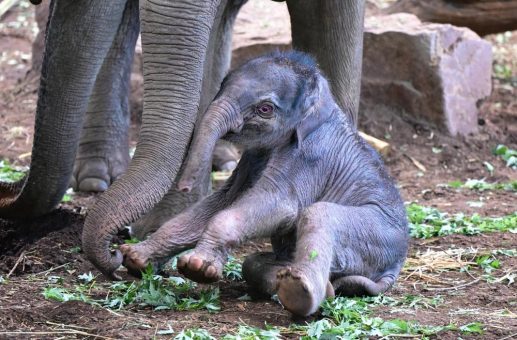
<point x="266" y="103"/>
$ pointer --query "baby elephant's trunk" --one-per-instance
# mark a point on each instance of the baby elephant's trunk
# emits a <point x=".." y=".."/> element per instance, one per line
<point x="221" y="117"/>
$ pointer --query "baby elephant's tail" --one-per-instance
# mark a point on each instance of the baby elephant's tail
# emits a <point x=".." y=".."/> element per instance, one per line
<point x="356" y="285"/>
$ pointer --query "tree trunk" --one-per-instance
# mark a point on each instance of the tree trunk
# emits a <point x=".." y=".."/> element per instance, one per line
<point x="482" y="16"/>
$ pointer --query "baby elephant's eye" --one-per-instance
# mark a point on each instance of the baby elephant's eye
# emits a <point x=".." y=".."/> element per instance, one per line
<point x="265" y="110"/>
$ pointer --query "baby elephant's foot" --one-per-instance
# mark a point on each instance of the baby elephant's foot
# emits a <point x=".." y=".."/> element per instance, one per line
<point x="298" y="294"/>
<point x="135" y="259"/>
<point x="198" y="268"/>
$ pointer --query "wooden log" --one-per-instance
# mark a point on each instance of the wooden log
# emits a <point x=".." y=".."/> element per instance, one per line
<point x="482" y="16"/>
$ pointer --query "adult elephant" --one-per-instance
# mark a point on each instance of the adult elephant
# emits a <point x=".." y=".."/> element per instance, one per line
<point x="186" y="52"/>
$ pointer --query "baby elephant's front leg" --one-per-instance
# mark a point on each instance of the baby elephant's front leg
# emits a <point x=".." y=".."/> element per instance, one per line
<point x="176" y="235"/>
<point x="250" y="217"/>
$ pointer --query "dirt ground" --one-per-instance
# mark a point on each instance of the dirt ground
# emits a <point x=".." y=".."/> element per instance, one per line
<point x="421" y="159"/>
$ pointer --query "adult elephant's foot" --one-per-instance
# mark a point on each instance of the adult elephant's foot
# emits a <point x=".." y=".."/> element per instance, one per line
<point x="136" y="258"/>
<point x="298" y="294"/>
<point x="200" y="267"/>
<point x="94" y="172"/>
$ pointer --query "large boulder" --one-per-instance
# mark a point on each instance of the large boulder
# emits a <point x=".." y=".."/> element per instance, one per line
<point x="260" y="27"/>
<point x="433" y="72"/>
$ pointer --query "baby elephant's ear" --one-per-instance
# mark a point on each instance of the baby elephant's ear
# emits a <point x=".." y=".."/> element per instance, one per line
<point x="314" y="114"/>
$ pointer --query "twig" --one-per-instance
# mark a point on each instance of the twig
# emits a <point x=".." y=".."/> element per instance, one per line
<point x="113" y="312"/>
<point x="416" y="163"/>
<point x="511" y="336"/>
<point x="68" y="331"/>
<point x="66" y="326"/>
<point x="52" y="269"/>
<point x="455" y="287"/>
<point x="6" y="5"/>
<point x="401" y="336"/>
<point x="22" y="255"/>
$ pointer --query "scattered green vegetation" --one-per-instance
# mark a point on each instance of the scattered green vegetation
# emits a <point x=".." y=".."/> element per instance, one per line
<point x="153" y="291"/>
<point x="132" y="240"/>
<point x="67" y="197"/>
<point x="313" y="255"/>
<point x="409" y="301"/>
<point x="348" y="318"/>
<point x="351" y="318"/>
<point x="482" y="185"/>
<point x="246" y="332"/>
<point x="10" y="173"/>
<point x="503" y="57"/>
<point x="74" y="250"/>
<point x="503" y="71"/>
<point x="86" y="278"/>
<point x="233" y="269"/>
<point x="63" y="295"/>
<point x="194" y="334"/>
<point x="505" y="252"/>
<point x="426" y="222"/>
<point x="490" y="262"/>
<point x="508" y="155"/>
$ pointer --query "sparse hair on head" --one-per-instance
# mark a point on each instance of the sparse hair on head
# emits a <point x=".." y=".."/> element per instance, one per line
<point x="300" y="62"/>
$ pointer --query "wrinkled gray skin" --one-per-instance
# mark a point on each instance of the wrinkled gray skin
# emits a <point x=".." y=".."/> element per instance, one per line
<point x="186" y="53"/>
<point x="306" y="179"/>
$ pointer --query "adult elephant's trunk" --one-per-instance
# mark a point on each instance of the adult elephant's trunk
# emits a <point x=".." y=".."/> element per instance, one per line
<point x="175" y="37"/>
<point x="221" y="117"/>
<point x="78" y="38"/>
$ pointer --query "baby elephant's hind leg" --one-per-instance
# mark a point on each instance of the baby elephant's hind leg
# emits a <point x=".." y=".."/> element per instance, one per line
<point x="303" y="285"/>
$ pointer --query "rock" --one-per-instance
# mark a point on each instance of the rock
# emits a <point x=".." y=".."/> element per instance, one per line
<point x="481" y="16"/>
<point x="260" y="27"/>
<point x="433" y="72"/>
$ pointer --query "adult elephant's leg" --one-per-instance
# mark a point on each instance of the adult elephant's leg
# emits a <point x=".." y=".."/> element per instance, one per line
<point x="332" y="31"/>
<point x="79" y="35"/>
<point x="103" y="153"/>
<point x="216" y="65"/>
<point x="175" y="37"/>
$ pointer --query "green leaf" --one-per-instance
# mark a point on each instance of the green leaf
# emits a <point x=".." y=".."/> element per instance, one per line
<point x="11" y="174"/>
<point x="489" y="167"/>
<point x="66" y="198"/>
<point x="455" y="184"/>
<point x="473" y="327"/>
<point x="500" y="150"/>
<point x="58" y="294"/>
<point x="233" y="269"/>
<point x="194" y="334"/>
<point x="132" y="240"/>
<point x="313" y="255"/>
<point x="86" y="278"/>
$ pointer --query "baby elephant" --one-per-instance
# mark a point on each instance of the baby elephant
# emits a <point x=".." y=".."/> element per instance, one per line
<point x="306" y="179"/>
